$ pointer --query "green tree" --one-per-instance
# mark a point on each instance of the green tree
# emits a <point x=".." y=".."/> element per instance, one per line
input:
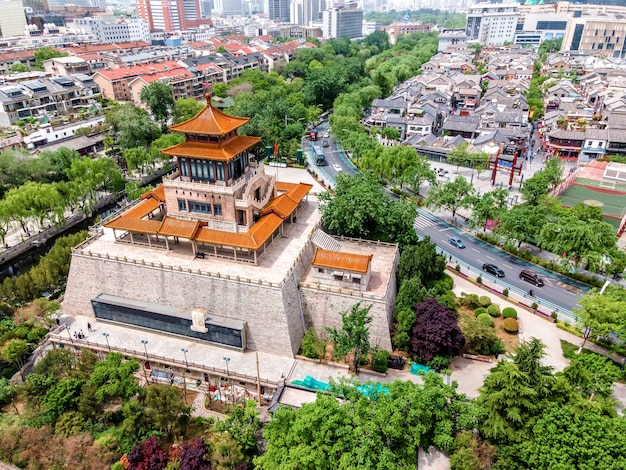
<point x="489" y="206"/>
<point x="165" y="408"/>
<point x="421" y="261"/>
<point x="569" y="437"/>
<point x="15" y="351"/>
<point x="522" y="223"/>
<point x="360" y="208"/>
<point x="601" y="314"/>
<point x="452" y="195"/>
<point x="44" y="53"/>
<point x="159" y="98"/>
<point x="18" y="67"/>
<point x="242" y="424"/>
<point x="418" y="172"/>
<point x="354" y="333"/>
<point x="62" y="397"/>
<point x="591" y="375"/>
<point x="114" y="378"/>
<point x="185" y="109"/>
<point x="460" y="155"/>
<point x="131" y="126"/>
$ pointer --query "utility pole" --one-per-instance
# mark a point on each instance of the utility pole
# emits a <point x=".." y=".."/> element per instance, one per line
<point x="258" y="379"/>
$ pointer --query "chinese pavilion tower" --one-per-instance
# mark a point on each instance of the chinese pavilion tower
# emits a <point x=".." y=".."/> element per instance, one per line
<point x="220" y="199"/>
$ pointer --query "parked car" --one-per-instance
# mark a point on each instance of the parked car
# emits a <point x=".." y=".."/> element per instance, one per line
<point x="337" y="167"/>
<point x="456" y="241"/>
<point x="493" y="269"/>
<point x="532" y="277"/>
<point x="325" y="143"/>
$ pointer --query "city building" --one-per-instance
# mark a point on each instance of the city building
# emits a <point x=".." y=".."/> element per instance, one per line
<point x="223" y="254"/>
<point x="538" y="27"/>
<point x="112" y="30"/>
<point x="12" y="18"/>
<point x="595" y="35"/>
<point x="343" y="20"/>
<point x="46" y="98"/>
<point x="171" y="15"/>
<point x="278" y="9"/>
<point x="451" y="38"/>
<point x="396" y="29"/>
<point x="62" y="66"/>
<point x="114" y="82"/>
<point x="492" y="24"/>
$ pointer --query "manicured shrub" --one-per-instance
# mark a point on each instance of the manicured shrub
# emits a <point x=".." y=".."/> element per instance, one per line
<point x="510" y="325"/>
<point x="479" y="279"/>
<point x="480" y="311"/>
<point x="494" y="310"/>
<point x="534" y="306"/>
<point x="509" y="312"/>
<point x="439" y="362"/>
<point x="497" y="347"/>
<point x="312" y="346"/>
<point x="485" y="319"/>
<point x="484" y="301"/>
<point x="505" y="292"/>
<point x="379" y="360"/>
<point x="469" y="300"/>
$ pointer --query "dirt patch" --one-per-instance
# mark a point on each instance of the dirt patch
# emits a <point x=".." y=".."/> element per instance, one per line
<point x="511" y="340"/>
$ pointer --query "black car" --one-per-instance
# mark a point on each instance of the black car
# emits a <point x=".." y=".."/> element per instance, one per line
<point x="493" y="269"/>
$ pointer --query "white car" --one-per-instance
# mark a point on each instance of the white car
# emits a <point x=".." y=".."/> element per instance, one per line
<point x="337" y="168"/>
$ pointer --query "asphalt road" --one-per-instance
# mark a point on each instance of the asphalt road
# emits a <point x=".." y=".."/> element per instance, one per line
<point x="558" y="290"/>
<point x="331" y="153"/>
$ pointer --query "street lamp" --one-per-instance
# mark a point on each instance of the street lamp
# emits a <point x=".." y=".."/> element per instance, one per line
<point x="106" y="336"/>
<point x="185" y="351"/>
<point x="145" y="342"/>
<point x="227" y="360"/>
<point x="290" y="119"/>
<point x="67" y="328"/>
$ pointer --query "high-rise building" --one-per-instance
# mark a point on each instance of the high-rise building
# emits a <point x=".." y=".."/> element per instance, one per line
<point x="343" y="20"/>
<point x="109" y="30"/>
<point x="599" y="35"/>
<point x="492" y="24"/>
<point x="278" y="9"/>
<point x="12" y="18"/>
<point x="170" y="15"/>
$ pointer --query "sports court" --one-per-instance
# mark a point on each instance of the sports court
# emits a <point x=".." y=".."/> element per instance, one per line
<point x="599" y="184"/>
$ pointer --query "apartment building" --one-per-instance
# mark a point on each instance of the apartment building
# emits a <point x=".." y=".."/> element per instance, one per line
<point x="492" y="24"/>
<point x="595" y="35"/>
<point x="343" y="20"/>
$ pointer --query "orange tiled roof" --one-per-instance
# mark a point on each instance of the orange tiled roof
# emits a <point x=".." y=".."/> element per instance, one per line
<point x="227" y="151"/>
<point x="339" y="260"/>
<point x="284" y="204"/>
<point x="210" y="121"/>
<point x="135" y="70"/>
<point x="258" y="234"/>
<point x="172" y="227"/>
<point x="153" y="77"/>
<point x="142" y="209"/>
<point x="12" y="56"/>
<point x="135" y="225"/>
<point x="157" y="193"/>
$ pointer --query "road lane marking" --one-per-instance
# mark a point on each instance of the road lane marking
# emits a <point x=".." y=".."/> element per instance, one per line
<point x="444" y="229"/>
<point x="477" y="251"/>
<point x="507" y="266"/>
<point x="492" y="259"/>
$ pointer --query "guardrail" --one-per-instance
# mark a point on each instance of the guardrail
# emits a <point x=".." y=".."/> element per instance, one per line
<point x="516" y="294"/>
<point x="60" y="339"/>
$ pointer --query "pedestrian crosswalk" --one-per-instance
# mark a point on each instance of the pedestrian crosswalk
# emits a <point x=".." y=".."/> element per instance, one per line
<point x="422" y="222"/>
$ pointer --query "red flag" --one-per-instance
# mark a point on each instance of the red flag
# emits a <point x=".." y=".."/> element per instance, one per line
<point x="276" y="148"/>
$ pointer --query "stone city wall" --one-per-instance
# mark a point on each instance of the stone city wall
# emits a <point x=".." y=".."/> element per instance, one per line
<point x="271" y="311"/>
